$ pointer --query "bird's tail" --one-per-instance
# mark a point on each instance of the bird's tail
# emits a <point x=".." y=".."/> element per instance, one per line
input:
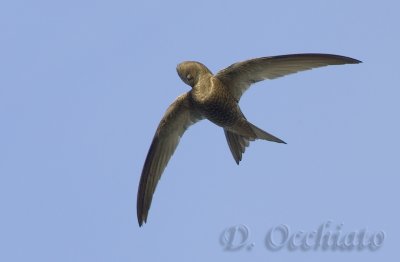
<point x="261" y="134"/>
<point x="237" y="143"/>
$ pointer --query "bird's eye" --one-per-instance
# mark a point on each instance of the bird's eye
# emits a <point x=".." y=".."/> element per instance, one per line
<point x="189" y="77"/>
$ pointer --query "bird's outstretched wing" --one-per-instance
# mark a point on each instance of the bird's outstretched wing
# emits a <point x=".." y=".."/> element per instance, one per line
<point x="178" y="117"/>
<point x="239" y="76"/>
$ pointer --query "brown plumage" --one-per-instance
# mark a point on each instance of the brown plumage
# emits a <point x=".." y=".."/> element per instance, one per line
<point x="216" y="98"/>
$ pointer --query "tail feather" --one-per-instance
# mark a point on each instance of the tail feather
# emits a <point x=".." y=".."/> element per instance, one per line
<point x="261" y="134"/>
<point x="237" y="143"/>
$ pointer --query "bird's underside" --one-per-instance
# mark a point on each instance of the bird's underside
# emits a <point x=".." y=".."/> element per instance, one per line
<point x="226" y="87"/>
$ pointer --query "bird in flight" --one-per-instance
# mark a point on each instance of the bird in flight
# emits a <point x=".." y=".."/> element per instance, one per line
<point x="216" y="98"/>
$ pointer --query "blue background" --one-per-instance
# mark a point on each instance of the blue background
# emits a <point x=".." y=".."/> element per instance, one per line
<point x="83" y="85"/>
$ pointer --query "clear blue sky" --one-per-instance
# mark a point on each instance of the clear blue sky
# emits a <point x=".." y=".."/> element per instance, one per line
<point x="83" y="85"/>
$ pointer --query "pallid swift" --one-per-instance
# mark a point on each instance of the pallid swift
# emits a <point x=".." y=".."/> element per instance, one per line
<point x="216" y="98"/>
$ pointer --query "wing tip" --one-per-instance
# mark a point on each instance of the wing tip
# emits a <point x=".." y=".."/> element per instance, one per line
<point x="142" y="219"/>
<point x="141" y="210"/>
<point x="345" y="59"/>
<point x="353" y="60"/>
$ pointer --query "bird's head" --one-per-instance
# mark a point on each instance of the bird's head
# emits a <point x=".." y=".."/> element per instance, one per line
<point x="191" y="71"/>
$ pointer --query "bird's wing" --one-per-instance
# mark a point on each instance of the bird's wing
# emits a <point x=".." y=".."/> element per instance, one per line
<point x="178" y="117"/>
<point x="239" y="76"/>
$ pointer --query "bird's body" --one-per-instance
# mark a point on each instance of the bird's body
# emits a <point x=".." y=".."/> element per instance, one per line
<point x="216" y="98"/>
<point x="210" y="97"/>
